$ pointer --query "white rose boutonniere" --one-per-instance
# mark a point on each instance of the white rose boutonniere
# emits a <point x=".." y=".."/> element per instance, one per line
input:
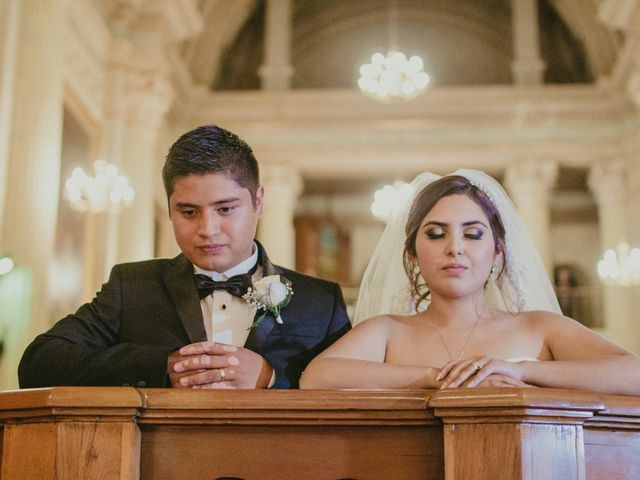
<point x="270" y="295"/>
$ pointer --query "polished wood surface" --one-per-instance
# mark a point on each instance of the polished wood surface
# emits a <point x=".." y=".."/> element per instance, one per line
<point x="457" y="434"/>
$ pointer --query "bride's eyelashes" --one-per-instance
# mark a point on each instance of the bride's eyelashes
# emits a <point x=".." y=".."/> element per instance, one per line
<point x="436" y="233"/>
<point x="474" y="233"/>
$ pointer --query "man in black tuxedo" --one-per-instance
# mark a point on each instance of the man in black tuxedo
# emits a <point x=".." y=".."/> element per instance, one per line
<point x="188" y="321"/>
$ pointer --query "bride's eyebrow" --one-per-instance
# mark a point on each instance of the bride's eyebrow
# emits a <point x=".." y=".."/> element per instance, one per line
<point x="464" y="224"/>
<point x="474" y="222"/>
<point x="433" y="222"/>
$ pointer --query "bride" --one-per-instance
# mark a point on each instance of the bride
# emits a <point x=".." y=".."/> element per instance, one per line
<point x="459" y="298"/>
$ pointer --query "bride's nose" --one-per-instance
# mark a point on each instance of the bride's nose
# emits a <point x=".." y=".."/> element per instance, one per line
<point x="454" y="248"/>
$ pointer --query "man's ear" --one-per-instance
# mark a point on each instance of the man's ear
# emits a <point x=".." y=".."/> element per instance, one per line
<point x="259" y="200"/>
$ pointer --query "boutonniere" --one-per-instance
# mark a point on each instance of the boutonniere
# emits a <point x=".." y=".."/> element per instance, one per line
<point x="270" y="294"/>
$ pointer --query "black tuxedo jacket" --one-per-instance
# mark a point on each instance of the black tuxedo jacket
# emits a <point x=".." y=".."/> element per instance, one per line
<point x="147" y="310"/>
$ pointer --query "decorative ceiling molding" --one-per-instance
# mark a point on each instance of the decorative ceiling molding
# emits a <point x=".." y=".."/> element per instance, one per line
<point x="334" y="133"/>
<point x="601" y="43"/>
<point x="223" y="20"/>
<point x="86" y="46"/>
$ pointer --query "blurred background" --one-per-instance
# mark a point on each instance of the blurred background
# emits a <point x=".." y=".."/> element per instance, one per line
<point x="338" y="98"/>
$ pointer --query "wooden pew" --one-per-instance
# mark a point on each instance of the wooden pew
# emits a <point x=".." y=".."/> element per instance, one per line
<point x="458" y="434"/>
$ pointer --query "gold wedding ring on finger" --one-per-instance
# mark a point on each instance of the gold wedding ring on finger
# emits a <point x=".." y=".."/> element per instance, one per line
<point x="223" y="374"/>
<point x="476" y="366"/>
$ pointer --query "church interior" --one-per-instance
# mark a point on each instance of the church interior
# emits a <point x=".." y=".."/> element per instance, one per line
<point x="544" y="95"/>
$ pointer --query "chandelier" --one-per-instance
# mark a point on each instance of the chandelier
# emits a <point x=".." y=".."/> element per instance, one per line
<point x="389" y="198"/>
<point x="393" y="76"/>
<point x="621" y="266"/>
<point x="105" y="191"/>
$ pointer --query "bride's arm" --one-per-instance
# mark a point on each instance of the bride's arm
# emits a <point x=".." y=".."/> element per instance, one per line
<point x="582" y="360"/>
<point x="356" y="360"/>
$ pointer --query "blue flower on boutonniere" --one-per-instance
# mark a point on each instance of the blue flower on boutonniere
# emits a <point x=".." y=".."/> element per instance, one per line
<point x="270" y="294"/>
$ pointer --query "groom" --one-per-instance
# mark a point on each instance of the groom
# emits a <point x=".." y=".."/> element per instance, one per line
<point x="188" y="321"/>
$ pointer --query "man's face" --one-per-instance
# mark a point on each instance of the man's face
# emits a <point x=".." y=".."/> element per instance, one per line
<point x="214" y="220"/>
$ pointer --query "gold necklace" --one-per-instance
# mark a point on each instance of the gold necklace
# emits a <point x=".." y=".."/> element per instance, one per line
<point x="464" y="345"/>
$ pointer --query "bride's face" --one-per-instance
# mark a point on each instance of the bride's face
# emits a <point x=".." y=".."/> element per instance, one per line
<point x="455" y="247"/>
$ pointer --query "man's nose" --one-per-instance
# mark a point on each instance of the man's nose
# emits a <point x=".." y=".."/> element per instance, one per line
<point x="209" y="224"/>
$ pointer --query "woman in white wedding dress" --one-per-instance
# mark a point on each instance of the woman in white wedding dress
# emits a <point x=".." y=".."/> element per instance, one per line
<point x="458" y="297"/>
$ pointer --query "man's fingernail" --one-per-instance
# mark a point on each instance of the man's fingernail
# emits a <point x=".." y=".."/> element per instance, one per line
<point x="184" y="381"/>
<point x="229" y="348"/>
<point x="233" y="360"/>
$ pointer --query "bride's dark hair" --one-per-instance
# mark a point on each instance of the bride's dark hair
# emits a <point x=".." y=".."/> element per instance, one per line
<point x="422" y="205"/>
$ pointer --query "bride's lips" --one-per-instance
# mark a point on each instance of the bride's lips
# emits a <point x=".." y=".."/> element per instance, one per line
<point x="455" y="268"/>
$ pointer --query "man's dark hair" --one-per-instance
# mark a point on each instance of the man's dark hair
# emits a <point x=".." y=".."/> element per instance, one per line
<point x="211" y="149"/>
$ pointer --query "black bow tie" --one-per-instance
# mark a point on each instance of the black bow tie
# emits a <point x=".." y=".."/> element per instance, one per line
<point x="236" y="285"/>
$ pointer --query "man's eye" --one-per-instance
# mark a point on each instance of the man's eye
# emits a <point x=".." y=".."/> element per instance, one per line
<point x="187" y="213"/>
<point x="226" y="210"/>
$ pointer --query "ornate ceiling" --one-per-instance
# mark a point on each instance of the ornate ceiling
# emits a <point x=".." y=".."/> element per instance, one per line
<point x="331" y="38"/>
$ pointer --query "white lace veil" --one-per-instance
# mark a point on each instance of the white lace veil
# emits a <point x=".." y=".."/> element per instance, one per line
<point x="523" y="285"/>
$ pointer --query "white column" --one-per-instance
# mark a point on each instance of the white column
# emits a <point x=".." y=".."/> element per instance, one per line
<point x="530" y="184"/>
<point x="608" y="182"/>
<point x="527" y="66"/>
<point x="33" y="143"/>
<point x="282" y="185"/>
<point x="276" y="72"/>
<point x="149" y="97"/>
<point x="9" y="18"/>
<point x="33" y="173"/>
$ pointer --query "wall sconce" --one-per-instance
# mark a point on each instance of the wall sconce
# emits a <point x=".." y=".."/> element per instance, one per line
<point x="6" y="264"/>
<point x="105" y="191"/>
<point x="621" y="266"/>
<point x="389" y="198"/>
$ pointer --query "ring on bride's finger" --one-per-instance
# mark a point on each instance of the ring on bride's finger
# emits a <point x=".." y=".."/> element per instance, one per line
<point x="477" y="367"/>
<point x="223" y="374"/>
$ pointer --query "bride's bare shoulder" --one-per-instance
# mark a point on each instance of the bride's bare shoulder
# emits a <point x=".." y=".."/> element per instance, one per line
<point x="386" y="321"/>
<point x="544" y="319"/>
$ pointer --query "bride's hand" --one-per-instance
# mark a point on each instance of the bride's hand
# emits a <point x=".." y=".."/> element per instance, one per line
<point x="498" y="380"/>
<point x="471" y="372"/>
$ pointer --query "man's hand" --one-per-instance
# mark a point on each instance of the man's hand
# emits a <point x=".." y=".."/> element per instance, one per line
<point x="216" y="365"/>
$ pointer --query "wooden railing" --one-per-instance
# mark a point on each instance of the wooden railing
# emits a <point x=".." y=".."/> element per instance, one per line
<point x="458" y="434"/>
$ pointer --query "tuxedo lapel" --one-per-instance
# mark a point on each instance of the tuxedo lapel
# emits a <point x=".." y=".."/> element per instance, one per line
<point x="268" y="268"/>
<point x="180" y="284"/>
<point x="258" y="335"/>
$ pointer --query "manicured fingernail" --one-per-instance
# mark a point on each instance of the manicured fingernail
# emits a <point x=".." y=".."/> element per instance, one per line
<point x="229" y="348"/>
<point x="439" y="377"/>
<point x="178" y="367"/>
<point x="233" y="360"/>
<point x="184" y="381"/>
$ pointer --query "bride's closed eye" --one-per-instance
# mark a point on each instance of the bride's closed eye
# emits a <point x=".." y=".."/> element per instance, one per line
<point x="474" y="233"/>
<point x="435" y="232"/>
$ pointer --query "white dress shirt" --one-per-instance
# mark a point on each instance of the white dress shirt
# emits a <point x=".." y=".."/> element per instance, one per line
<point x="227" y="318"/>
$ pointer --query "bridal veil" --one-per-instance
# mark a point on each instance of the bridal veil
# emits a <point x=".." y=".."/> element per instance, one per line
<point x="524" y="284"/>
